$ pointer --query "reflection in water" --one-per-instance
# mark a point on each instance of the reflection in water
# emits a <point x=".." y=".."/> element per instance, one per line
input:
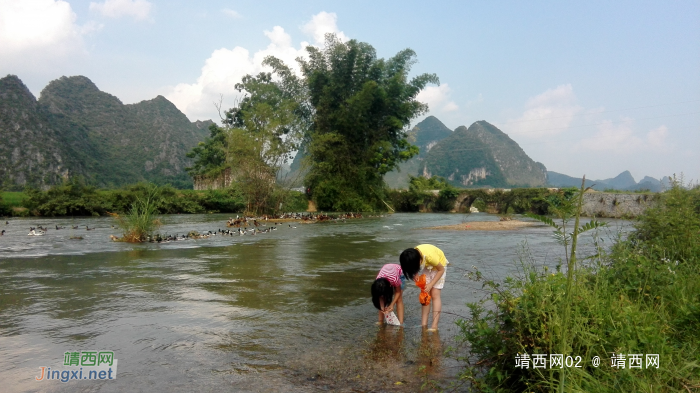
<point x="430" y="351"/>
<point x="245" y="313"/>
<point x="389" y="344"/>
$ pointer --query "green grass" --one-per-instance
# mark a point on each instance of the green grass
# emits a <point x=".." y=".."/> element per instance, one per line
<point x="142" y="219"/>
<point x="13" y="198"/>
<point x="641" y="296"/>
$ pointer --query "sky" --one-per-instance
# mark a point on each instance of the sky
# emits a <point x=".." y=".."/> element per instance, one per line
<point x="587" y="88"/>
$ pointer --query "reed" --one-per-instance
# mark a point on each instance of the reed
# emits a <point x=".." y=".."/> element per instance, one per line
<point x="142" y="218"/>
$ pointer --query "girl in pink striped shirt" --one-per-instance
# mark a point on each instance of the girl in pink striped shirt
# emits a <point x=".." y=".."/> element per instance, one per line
<point x="387" y="291"/>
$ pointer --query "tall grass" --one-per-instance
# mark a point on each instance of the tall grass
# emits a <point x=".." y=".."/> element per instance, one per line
<point x="642" y="296"/>
<point x="142" y="219"/>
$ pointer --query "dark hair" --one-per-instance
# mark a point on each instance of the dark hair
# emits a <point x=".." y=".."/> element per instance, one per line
<point x="382" y="288"/>
<point x="410" y="262"/>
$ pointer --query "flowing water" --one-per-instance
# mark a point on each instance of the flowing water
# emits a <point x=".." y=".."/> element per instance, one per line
<point x="285" y="311"/>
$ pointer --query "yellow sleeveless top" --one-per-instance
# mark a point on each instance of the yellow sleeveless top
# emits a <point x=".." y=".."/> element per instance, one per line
<point x="432" y="256"/>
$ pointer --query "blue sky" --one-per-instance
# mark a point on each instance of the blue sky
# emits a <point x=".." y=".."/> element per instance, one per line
<point x="591" y="88"/>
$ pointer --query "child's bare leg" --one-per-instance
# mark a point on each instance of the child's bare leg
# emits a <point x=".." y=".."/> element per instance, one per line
<point x="381" y="318"/>
<point x="399" y="308"/>
<point x="437" y="306"/>
<point x="425" y="310"/>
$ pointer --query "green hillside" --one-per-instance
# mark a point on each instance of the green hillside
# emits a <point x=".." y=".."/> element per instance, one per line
<point x="481" y="156"/>
<point x="428" y="133"/>
<point x="76" y="129"/>
<point x="425" y="135"/>
<point x="32" y="151"/>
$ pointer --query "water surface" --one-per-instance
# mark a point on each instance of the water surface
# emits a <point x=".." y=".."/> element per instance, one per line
<point x="285" y="311"/>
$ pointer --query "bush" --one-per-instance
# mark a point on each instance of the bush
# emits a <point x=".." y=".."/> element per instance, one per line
<point x="73" y="198"/>
<point x="634" y="299"/>
<point x="4" y="210"/>
<point x="224" y="201"/>
<point x="78" y="199"/>
<point x="294" y="201"/>
<point x="331" y="195"/>
<point x="141" y="220"/>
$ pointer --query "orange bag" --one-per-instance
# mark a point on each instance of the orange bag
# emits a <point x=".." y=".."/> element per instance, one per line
<point x="424" y="297"/>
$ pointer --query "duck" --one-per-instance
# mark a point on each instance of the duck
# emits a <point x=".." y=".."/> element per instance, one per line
<point x="33" y="232"/>
<point x="75" y="227"/>
<point x="2" y="233"/>
<point x="88" y="228"/>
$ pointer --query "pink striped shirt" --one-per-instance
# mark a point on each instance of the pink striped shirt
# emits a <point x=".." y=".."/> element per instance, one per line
<point x="391" y="272"/>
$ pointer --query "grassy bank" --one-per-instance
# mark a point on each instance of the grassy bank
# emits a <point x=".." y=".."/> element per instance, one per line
<point x="639" y="297"/>
<point x="13" y="198"/>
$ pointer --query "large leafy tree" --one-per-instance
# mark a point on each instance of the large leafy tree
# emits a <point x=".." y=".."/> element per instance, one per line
<point x="359" y="108"/>
<point x="265" y="131"/>
<point x="257" y="137"/>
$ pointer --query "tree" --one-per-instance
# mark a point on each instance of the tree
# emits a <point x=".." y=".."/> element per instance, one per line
<point x="209" y="156"/>
<point x="258" y="137"/>
<point x="359" y="108"/>
<point x="270" y="117"/>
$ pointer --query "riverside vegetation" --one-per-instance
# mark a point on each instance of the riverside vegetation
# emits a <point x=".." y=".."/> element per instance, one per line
<point x="75" y="198"/>
<point x="640" y="297"/>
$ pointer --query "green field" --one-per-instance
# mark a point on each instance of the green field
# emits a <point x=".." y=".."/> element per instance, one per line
<point x="13" y="198"/>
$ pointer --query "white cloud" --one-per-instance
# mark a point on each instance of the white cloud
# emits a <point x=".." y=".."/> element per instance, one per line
<point x="39" y="36"/>
<point x="546" y="114"/>
<point x="320" y="24"/>
<point x="36" y="24"/>
<point x="621" y="138"/>
<point x="225" y="67"/>
<point x="437" y="98"/>
<point x="233" y="14"/>
<point x="138" y="9"/>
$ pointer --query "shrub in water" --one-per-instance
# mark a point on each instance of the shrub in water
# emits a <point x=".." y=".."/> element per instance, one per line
<point x="141" y="220"/>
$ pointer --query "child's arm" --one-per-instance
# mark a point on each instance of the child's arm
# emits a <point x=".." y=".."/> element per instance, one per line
<point x="440" y="271"/>
<point x="397" y="296"/>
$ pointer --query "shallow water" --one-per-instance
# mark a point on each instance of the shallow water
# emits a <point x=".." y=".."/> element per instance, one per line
<point x="283" y="311"/>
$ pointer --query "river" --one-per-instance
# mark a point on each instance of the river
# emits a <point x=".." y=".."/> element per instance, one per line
<point x="284" y="311"/>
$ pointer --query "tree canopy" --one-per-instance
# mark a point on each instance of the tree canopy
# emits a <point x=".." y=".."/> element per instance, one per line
<point x="348" y="113"/>
<point x="358" y="109"/>
<point x="258" y="136"/>
<point x="209" y="156"/>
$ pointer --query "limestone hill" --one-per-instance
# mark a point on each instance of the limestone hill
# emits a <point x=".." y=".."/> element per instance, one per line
<point x="76" y="129"/>
<point x="482" y="155"/>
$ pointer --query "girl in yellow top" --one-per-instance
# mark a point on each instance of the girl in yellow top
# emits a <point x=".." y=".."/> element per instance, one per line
<point x="429" y="260"/>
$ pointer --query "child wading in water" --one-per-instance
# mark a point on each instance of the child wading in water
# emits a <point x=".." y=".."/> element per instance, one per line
<point x="387" y="291"/>
<point x="429" y="260"/>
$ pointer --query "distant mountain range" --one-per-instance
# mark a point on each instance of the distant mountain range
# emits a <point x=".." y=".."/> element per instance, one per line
<point x="622" y="182"/>
<point x="74" y="129"/>
<point x="478" y="156"/>
<point x="484" y="156"/>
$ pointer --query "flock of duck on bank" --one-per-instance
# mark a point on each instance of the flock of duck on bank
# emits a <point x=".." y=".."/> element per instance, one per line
<point x="302" y="217"/>
<point x="158" y="238"/>
<point x="240" y="223"/>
